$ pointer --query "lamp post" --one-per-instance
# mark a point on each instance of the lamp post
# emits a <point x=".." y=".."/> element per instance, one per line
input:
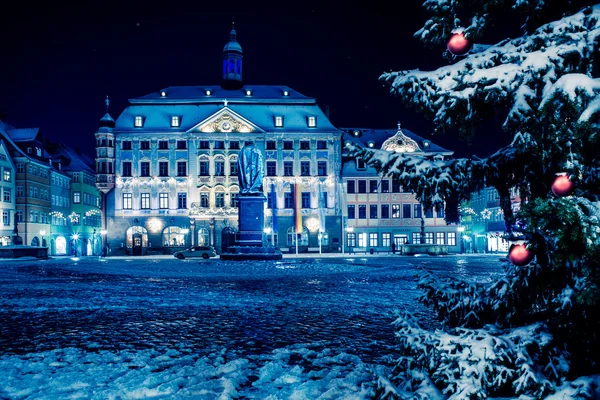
<point x="75" y="238"/>
<point x="460" y="230"/>
<point x="103" y="233"/>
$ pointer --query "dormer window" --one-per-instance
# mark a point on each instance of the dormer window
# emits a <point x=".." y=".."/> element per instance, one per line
<point x="163" y="94"/>
<point x="248" y="92"/>
<point x="286" y="93"/>
<point x="208" y="92"/>
<point x="38" y="151"/>
<point x="360" y="164"/>
<point x="312" y="121"/>
<point x="139" y="121"/>
<point x="279" y="121"/>
<point x="174" y="121"/>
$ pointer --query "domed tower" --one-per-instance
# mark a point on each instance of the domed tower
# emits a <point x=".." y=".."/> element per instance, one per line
<point x="105" y="153"/>
<point x="232" y="63"/>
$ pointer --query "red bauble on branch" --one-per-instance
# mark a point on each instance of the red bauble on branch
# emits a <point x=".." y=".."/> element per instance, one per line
<point x="519" y="254"/>
<point x="458" y="44"/>
<point x="562" y="185"/>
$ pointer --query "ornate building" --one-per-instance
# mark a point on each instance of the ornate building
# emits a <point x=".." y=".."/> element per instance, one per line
<point x="168" y="164"/>
<point x="377" y="212"/>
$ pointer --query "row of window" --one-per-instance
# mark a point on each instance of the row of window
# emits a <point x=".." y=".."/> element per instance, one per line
<point x="288" y="168"/>
<point x="373" y="239"/>
<point x="220" y="145"/>
<point x="138" y="121"/>
<point x="372" y="186"/>
<point x="163" y="168"/>
<point x="60" y="181"/>
<point x="88" y="199"/>
<point x="33" y="170"/>
<point x="60" y="201"/>
<point x="163" y="201"/>
<point x="394" y="211"/>
<point x="288" y="200"/>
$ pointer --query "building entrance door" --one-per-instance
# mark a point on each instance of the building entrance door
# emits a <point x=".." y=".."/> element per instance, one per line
<point x="136" y="249"/>
<point x="399" y="240"/>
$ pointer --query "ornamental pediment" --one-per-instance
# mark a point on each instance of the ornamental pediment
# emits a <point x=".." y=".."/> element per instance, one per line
<point x="226" y="121"/>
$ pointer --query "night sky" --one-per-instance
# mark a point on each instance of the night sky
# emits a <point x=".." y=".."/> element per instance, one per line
<point x="60" y="61"/>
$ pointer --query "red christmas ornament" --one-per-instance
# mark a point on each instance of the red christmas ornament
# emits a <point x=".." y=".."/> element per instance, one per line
<point x="562" y="185"/>
<point x="519" y="254"/>
<point x="458" y="44"/>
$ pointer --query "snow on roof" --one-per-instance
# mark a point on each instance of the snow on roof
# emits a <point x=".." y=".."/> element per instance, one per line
<point x="23" y="134"/>
<point x="78" y="161"/>
<point x="379" y="136"/>
<point x="157" y="118"/>
<point x="197" y="94"/>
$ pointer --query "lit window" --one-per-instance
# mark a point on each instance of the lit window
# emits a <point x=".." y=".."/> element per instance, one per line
<point x="248" y="92"/>
<point x="7" y="175"/>
<point x="208" y="92"/>
<point x="174" y="120"/>
<point x="163" y="94"/>
<point x="163" y="201"/>
<point x="127" y="200"/>
<point x="76" y="197"/>
<point x="145" y="204"/>
<point x="139" y="121"/>
<point x="279" y="121"/>
<point x="312" y="122"/>
<point x="286" y="93"/>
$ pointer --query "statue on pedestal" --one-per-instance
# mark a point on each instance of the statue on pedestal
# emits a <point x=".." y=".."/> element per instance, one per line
<point x="251" y="169"/>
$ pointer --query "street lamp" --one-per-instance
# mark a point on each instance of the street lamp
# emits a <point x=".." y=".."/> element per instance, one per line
<point x="75" y="238"/>
<point x="460" y="230"/>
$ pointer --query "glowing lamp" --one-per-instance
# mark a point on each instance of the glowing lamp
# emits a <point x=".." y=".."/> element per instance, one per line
<point x="519" y="254"/>
<point x="562" y="185"/>
<point x="458" y="44"/>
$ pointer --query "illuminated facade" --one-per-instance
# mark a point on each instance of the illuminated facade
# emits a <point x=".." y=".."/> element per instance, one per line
<point x="376" y="211"/>
<point x="168" y="164"/>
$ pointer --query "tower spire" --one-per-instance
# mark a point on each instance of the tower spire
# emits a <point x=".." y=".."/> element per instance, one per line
<point x="107" y="102"/>
<point x="232" y="62"/>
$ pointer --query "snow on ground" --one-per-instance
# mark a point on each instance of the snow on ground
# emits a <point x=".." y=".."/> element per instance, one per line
<point x="163" y="328"/>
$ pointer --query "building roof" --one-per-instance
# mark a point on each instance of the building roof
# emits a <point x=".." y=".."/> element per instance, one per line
<point x="198" y="95"/>
<point x="23" y="134"/>
<point x="378" y="136"/>
<point x="72" y="160"/>
<point x="193" y="106"/>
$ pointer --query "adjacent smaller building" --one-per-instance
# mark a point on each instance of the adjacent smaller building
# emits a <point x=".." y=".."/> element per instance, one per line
<point x="377" y="211"/>
<point x="7" y="194"/>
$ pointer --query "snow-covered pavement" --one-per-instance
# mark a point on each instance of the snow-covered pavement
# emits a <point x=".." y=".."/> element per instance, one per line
<point x="164" y="328"/>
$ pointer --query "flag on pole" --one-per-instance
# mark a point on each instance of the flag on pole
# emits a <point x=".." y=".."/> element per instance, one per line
<point x="298" y="206"/>
<point x="273" y="206"/>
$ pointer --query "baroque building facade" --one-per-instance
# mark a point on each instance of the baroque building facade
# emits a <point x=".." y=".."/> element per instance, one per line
<point x="168" y="165"/>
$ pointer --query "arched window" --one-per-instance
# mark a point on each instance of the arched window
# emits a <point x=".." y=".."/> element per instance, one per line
<point x="203" y="238"/>
<point x="219" y="197"/>
<point x="137" y="230"/>
<point x="61" y="245"/>
<point x="291" y="236"/>
<point x="234" y="192"/>
<point x="35" y="241"/>
<point x="173" y="236"/>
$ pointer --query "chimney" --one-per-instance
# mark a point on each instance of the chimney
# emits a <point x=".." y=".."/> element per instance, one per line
<point x="327" y="111"/>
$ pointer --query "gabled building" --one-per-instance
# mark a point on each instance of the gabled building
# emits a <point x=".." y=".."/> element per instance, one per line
<point x="168" y="165"/>
<point x="32" y="185"/>
<point x="377" y="211"/>
<point x="83" y="204"/>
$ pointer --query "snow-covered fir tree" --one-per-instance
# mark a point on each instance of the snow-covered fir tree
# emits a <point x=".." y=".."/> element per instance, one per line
<point x="535" y="331"/>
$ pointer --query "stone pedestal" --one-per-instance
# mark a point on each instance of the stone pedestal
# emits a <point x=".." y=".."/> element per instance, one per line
<point x="249" y="243"/>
